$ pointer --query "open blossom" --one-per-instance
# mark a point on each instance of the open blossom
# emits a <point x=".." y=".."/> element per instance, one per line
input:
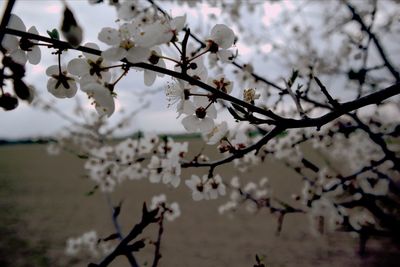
<point x="178" y="93"/>
<point x="221" y="83"/>
<point x="203" y="118"/>
<point x="172" y="210"/>
<point x="60" y="84"/>
<point x="123" y="44"/>
<point x="197" y="185"/>
<point x="161" y="32"/>
<point x="73" y="246"/>
<point x="249" y="95"/>
<point x="21" y="50"/>
<point x="216" y="134"/>
<point x="103" y="99"/>
<point x="171" y="173"/>
<point x="91" y="65"/>
<point x="216" y="187"/>
<point x="157" y="200"/>
<point x="128" y="10"/>
<point x="220" y="40"/>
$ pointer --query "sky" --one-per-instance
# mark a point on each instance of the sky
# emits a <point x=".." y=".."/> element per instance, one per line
<point x="27" y="121"/>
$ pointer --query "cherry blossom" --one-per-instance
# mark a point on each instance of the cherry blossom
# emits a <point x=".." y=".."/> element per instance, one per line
<point x="216" y="187"/>
<point x="173" y="211"/>
<point x="162" y="32"/>
<point x="221" y="83"/>
<point x="218" y="132"/>
<point x="91" y="65"/>
<point x="124" y="46"/>
<point x="21" y="50"/>
<point x="60" y="84"/>
<point x="157" y="200"/>
<point x="178" y="93"/>
<point x="127" y="10"/>
<point x="221" y="38"/>
<point x="171" y="171"/>
<point x="203" y="119"/>
<point x="197" y="185"/>
<point x="103" y="99"/>
<point x="249" y="95"/>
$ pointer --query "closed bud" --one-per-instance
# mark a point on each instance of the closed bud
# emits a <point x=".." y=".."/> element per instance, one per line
<point x="8" y="102"/>
<point x="70" y="28"/>
<point x="22" y="90"/>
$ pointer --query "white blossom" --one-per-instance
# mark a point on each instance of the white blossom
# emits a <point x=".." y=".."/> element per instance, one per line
<point x="21" y="50"/>
<point x="60" y="84"/>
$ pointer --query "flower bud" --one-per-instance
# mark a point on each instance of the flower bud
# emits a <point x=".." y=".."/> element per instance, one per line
<point x="8" y="102"/>
<point x="70" y="28"/>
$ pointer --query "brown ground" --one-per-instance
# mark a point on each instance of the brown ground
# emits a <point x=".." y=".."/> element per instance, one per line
<point x="47" y="195"/>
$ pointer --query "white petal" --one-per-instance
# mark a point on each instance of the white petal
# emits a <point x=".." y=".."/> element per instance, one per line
<point x="161" y="64"/>
<point x="78" y="66"/>
<point x="175" y="181"/>
<point x="71" y="91"/>
<point x="114" y="54"/>
<point x="104" y="101"/>
<point x="179" y="22"/>
<point x="154" y="178"/>
<point x="52" y="70"/>
<point x="51" y="87"/>
<point x="149" y="77"/>
<point x="33" y="30"/>
<point x="201" y="101"/>
<point x="191" y="123"/>
<point x="86" y="79"/>
<point x="19" y="56"/>
<point x="16" y="23"/>
<point x="138" y="54"/>
<point x="197" y="196"/>
<point x="35" y="55"/>
<point x="61" y="91"/>
<point x="91" y="56"/>
<point x="222" y="35"/>
<point x="206" y="125"/>
<point x="225" y="55"/>
<point x="212" y="111"/>
<point x="150" y="35"/>
<point x="185" y="107"/>
<point x="109" y="36"/>
<point x="10" y="42"/>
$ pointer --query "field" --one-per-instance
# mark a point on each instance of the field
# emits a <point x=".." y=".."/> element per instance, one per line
<point x="43" y="201"/>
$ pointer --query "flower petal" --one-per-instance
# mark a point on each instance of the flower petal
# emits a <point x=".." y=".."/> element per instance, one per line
<point x="10" y="42"/>
<point x="138" y="54"/>
<point x="78" y="66"/>
<point x="149" y="77"/>
<point x="191" y="123"/>
<point x="19" y="56"/>
<point x="52" y="70"/>
<point x="16" y="23"/>
<point x="114" y="54"/>
<point x="109" y="36"/>
<point x="34" y="56"/>
<point x="206" y="125"/>
<point x="222" y="35"/>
